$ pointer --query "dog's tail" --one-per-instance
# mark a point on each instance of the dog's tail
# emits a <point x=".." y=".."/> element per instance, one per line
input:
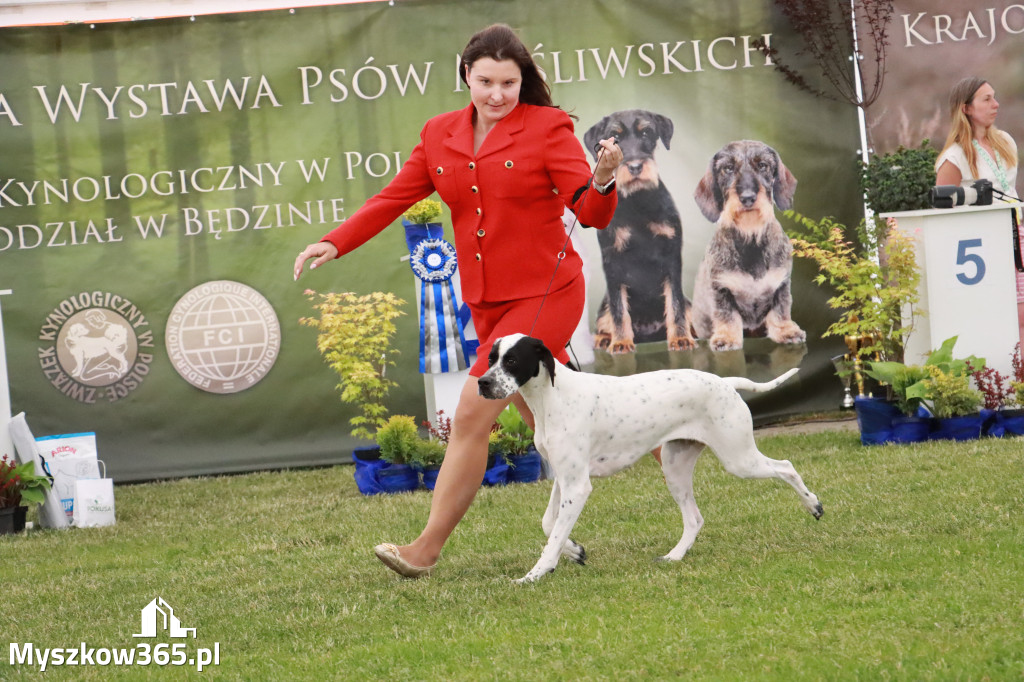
<point x="744" y="384"/>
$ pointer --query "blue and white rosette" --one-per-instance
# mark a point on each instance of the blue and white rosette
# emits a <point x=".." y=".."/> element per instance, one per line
<point x="443" y="344"/>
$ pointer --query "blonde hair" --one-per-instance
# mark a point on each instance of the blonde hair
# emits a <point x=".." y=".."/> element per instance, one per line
<point x="961" y="131"/>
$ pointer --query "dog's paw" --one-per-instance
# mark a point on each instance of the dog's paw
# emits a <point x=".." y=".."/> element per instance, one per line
<point x="575" y="552"/>
<point x="622" y="346"/>
<point x="725" y="342"/>
<point x="602" y="341"/>
<point x="533" y="576"/>
<point x="788" y="333"/>
<point x="681" y="343"/>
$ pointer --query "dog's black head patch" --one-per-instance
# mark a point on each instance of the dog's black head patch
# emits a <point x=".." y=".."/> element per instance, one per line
<point x="524" y="359"/>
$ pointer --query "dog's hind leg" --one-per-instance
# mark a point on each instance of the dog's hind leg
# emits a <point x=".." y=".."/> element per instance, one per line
<point x="678" y="459"/>
<point x="740" y="457"/>
<point x="571" y="550"/>
<point x="573" y="495"/>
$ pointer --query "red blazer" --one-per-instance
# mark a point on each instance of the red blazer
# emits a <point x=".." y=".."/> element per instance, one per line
<point x="507" y="215"/>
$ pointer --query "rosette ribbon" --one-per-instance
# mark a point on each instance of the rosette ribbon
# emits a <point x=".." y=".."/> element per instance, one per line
<point x="443" y="344"/>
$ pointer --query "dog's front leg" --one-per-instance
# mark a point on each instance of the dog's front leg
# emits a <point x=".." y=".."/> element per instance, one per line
<point x="573" y="495"/>
<point x="571" y="550"/>
<point x="779" y="325"/>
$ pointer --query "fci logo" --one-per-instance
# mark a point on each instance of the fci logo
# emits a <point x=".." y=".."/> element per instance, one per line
<point x="158" y="614"/>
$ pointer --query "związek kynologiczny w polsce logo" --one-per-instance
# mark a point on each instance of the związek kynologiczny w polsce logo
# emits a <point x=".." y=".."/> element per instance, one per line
<point x="157" y="617"/>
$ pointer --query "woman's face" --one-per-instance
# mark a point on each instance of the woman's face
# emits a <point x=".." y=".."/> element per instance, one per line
<point x="983" y="107"/>
<point x="494" y="88"/>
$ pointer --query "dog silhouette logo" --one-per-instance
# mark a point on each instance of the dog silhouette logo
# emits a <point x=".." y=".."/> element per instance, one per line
<point x="158" y="615"/>
<point x="98" y="345"/>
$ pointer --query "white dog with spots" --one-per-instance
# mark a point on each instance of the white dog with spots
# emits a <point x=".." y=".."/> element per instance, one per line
<point x="594" y="425"/>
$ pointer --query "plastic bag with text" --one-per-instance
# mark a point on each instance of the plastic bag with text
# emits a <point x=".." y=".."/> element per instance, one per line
<point x="66" y="459"/>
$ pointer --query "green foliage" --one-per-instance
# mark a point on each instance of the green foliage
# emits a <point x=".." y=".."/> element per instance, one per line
<point x="514" y="437"/>
<point x="398" y="440"/>
<point x="354" y="337"/>
<point x="943" y="380"/>
<point x="19" y="484"/>
<point x="876" y="280"/>
<point x="900" y="180"/>
<point x="429" y="452"/>
<point x="423" y="212"/>
<point x="494" y="443"/>
<point x="952" y="395"/>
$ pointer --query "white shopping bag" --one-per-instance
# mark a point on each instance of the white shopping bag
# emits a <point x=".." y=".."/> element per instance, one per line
<point x="51" y="513"/>
<point x="94" y="502"/>
<point x="66" y="459"/>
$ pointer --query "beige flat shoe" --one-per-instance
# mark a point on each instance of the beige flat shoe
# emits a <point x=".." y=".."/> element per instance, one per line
<point x="388" y="554"/>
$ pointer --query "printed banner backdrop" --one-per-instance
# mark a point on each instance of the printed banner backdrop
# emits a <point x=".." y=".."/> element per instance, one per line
<point x="158" y="179"/>
<point x="934" y="46"/>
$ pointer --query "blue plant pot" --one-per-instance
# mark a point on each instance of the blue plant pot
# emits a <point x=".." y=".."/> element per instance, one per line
<point x="398" y="478"/>
<point x="496" y="473"/>
<point x="1004" y="423"/>
<point x="429" y="476"/>
<point x="875" y="417"/>
<point x="525" y="468"/>
<point x="368" y="463"/>
<point x="957" y="428"/>
<point x="910" y="429"/>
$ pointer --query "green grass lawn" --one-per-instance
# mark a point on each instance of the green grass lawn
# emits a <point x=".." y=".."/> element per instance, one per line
<point x="916" y="572"/>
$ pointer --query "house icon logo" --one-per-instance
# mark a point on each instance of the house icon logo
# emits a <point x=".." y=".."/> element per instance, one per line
<point x="158" y="614"/>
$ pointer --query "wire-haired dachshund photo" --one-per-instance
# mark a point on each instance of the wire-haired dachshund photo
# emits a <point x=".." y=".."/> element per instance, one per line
<point x="642" y="247"/>
<point x="743" y="282"/>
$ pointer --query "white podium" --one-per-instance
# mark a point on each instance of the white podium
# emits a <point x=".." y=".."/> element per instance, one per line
<point x="6" y="446"/>
<point x="968" y="282"/>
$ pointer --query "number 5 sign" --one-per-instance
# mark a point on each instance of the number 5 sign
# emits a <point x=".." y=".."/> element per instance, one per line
<point x="968" y="282"/>
<point x="968" y="251"/>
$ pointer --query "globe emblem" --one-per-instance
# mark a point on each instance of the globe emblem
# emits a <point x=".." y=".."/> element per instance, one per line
<point x="223" y="337"/>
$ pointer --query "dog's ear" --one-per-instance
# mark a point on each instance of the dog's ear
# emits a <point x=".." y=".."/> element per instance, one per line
<point x="708" y="195"/>
<point x="546" y="357"/>
<point x="665" y="128"/>
<point x="784" y="186"/>
<point x="593" y="136"/>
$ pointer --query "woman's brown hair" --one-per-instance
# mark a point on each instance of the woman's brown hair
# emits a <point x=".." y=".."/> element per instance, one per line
<point x="500" y="42"/>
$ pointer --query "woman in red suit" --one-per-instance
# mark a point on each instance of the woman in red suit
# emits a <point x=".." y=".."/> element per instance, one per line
<point x="506" y="166"/>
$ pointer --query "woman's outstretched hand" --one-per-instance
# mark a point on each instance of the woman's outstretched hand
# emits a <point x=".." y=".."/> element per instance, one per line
<point x="321" y="251"/>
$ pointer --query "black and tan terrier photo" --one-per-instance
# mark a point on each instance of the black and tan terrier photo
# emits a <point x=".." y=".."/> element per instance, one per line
<point x="743" y="282"/>
<point x="642" y="247"/>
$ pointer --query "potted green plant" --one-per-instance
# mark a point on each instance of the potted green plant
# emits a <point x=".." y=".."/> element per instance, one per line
<point x="354" y="336"/>
<point x="516" y="446"/>
<point x="1004" y="396"/>
<point x="19" y="486"/>
<point x="942" y="383"/>
<point x="874" y="275"/>
<point x="429" y="456"/>
<point x="398" y="440"/>
<point x="956" y="406"/>
<point x="496" y="472"/>
<point x="875" y="279"/>
<point x="432" y="449"/>
<point x="899" y="180"/>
